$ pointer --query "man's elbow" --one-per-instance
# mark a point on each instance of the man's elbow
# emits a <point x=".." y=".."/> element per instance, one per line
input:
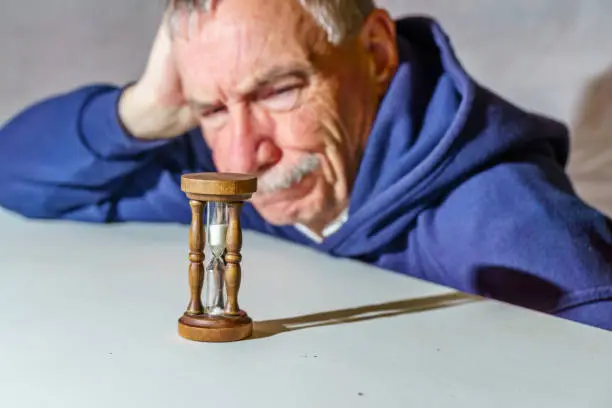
<point x="27" y="208"/>
<point x="28" y="201"/>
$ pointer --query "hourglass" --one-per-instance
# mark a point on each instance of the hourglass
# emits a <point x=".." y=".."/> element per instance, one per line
<point x="213" y="313"/>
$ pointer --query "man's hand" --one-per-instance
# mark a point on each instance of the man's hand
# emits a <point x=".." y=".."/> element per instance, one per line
<point x="154" y="107"/>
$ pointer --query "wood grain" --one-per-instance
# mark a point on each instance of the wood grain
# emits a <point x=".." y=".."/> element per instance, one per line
<point x="206" y="328"/>
<point x="196" y="257"/>
<point x="222" y="185"/>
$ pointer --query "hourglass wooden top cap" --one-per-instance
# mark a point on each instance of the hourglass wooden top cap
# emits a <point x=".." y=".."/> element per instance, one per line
<point x="223" y="185"/>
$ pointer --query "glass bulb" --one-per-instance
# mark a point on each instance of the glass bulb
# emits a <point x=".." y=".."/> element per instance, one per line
<point x="216" y="233"/>
<point x="217" y="222"/>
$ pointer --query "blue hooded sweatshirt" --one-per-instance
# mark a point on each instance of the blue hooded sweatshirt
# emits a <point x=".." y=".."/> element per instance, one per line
<point x="456" y="186"/>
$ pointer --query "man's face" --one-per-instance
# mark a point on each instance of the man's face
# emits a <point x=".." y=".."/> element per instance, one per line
<point x="276" y="99"/>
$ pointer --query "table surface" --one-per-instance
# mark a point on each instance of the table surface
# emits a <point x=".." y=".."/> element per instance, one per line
<point x="89" y="319"/>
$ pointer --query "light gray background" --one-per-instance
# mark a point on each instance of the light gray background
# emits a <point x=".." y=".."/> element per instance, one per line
<point x="537" y="53"/>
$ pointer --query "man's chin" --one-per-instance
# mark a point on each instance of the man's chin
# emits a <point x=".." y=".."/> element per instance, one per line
<point x="288" y="216"/>
<point x="276" y="219"/>
<point x="281" y="214"/>
<point x="290" y="206"/>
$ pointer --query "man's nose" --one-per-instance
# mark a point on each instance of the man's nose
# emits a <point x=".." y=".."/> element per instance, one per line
<point x="251" y="146"/>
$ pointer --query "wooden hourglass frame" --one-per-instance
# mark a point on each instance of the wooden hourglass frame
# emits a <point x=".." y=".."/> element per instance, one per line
<point x="232" y="324"/>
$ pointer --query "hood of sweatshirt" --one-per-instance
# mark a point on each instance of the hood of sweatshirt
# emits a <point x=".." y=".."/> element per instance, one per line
<point x="435" y="128"/>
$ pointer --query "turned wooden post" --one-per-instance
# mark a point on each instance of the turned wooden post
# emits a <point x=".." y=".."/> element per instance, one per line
<point x="233" y="258"/>
<point x="196" y="257"/>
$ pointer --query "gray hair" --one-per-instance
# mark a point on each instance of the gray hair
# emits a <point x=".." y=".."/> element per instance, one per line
<point x="339" y="18"/>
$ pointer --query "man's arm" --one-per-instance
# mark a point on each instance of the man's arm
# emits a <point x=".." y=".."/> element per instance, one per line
<point x="100" y="153"/>
<point x="516" y="232"/>
<point x="70" y="157"/>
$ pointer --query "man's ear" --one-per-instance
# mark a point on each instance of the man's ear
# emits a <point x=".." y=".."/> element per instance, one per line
<point x="378" y="37"/>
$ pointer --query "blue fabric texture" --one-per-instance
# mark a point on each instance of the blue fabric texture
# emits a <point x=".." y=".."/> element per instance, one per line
<point x="457" y="186"/>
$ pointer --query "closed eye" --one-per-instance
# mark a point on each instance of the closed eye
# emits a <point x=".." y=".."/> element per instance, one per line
<point x="213" y="111"/>
<point x="214" y="117"/>
<point x="281" y="98"/>
<point x="281" y="90"/>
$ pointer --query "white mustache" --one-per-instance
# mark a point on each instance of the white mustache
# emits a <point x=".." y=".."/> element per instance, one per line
<point x="279" y="179"/>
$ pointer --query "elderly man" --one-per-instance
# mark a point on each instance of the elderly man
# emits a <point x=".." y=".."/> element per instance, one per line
<point x="368" y="138"/>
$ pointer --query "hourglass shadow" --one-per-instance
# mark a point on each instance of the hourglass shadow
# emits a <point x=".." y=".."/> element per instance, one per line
<point x="269" y="328"/>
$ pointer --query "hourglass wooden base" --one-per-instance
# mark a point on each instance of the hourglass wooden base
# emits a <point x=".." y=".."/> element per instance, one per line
<point x="212" y="328"/>
<point x="232" y="324"/>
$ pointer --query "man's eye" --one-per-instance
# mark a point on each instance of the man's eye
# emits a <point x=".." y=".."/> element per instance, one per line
<point x="285" y="89"/>
<point x="281" y="99"/>
<point x="212" y="111"/>
<point x="214" y="118"/>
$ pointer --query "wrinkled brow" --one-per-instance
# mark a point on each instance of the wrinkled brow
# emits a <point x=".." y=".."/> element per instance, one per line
<point x="265" y="78"/>
<point x="269" y="76"/>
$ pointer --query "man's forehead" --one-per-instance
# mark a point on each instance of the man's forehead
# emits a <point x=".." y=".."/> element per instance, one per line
<point x="247" y="17"/>
<point x="231" y="70"/>
<point x="207" y="93"/>
<point x="233" y="50"/>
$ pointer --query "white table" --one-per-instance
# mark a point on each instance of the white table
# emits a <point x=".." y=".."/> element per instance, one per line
<point x="89" y="317"/>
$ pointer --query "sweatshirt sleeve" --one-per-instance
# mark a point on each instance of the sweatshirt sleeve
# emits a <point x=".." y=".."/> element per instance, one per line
<point x="516" y="232"/>
<point x="68" y="157"/>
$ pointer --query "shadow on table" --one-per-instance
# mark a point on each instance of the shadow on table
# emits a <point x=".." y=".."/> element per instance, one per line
<point x="269" y="328"/>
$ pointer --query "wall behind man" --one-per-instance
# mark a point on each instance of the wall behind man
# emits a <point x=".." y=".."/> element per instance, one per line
<point x="538" y="53"/>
